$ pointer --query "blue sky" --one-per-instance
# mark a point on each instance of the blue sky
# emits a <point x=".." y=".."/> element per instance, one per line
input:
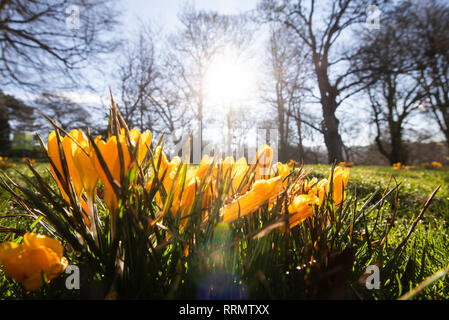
<point x="165" y="12"/>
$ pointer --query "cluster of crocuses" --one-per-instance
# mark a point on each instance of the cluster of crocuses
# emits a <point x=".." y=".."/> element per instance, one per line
<point x="251" y="185"/>
<point x="433" y="164"/>
<point x="78" y="164"/>
<point x="85" y="170"/>
<point x="399" y="166"/>
<point x="4" y="163"/>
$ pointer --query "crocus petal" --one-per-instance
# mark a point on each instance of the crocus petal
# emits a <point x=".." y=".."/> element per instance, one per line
<point x="69" y="146"/>
<point x="35" y="255"/>
<point x="261" y="191"/>
<point x="301" y="208"/>
<point x="264" y="159"/>
<point x="85" y="163"/>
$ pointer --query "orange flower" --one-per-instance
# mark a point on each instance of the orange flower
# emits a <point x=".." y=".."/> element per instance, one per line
<point x="53" y="153"/>
<point x="292" y="163"/>
<point x="346" y="164"/>
<point x="68" y="147"/>
<point x="81" y="169"/>
<point x="301" y="208"/>
<point x="340" y="180"/>
<point x="109" y="152"/>
<point x="321" y="188"/>
<point x="36" y="254"/>
<point x="84" y="160"/>
<point x="261" y="192"/>
<point x="239" y="170"/>
<point x="25" y="160"/>
<point x="264" y="159"/>
<point x="436" y="164"/>
<point x="166" y="174"/>
<point x="205" y="163"/>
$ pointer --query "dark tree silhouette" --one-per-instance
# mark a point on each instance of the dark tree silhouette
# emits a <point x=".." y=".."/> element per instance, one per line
<point x="67" y="113"/>
<point x="284" y="91"/>
<point x="319" y="26"/>
<point x="428" y="21"/>
<point x="45" y="43"/>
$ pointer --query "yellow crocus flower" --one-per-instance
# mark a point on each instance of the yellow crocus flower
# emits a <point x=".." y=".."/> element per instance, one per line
<point x="340" y="181"/>
<point x="239" y="171"/>
<point x="437" y="164"/>
<point x="292" y="163"/>
<point x="53" y="153"/>
<point x="68" y="148"/>
<point x="261" y="192"/>
<point x="84" y="160"/>
<point x="36" y="254"/>
<point x="205" y="163"/>
<point x="301" y="208"/>
<point x="110" y="154"/>
<point x="397" y="166"/>
<point x="318" y="188"/>
<point x="282" y="169"/>
<point x="264" y="159"/>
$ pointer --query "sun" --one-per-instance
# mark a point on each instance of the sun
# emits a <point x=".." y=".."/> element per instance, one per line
<point x="229" y="80"/>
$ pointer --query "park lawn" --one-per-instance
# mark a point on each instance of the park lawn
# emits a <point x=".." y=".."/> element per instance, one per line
<point x="416" y="184"/>
<point x="429" y="241"/>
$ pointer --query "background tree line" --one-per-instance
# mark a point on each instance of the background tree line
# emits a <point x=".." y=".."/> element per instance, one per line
<point x="323" y="75"/>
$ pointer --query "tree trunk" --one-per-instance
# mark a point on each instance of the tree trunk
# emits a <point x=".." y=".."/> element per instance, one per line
<point x="5" y="130"/>
<point x="299" y="129"/>
<point x="332" y="138"/>
<point x="282" y="140"/>
<point x="282" y="124"/>
<point x="397" y="151"/>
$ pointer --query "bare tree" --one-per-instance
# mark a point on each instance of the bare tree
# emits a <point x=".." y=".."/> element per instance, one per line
<point x="319" y="27"/>
<point x="384" y="64"/>
<point x="138" y="73"/>
<point x="45" y="43"/>
<point x="191" y="50"/>
<point x="148" y="100"/>
<point x="428" y="21"/>
<point x="286" y="88"/>
<point x="67" y="113"/>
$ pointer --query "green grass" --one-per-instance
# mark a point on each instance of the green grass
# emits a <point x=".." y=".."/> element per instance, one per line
<point x="416" y="184"/>
<point x="426" y="251"/>
<point x="429" y="243"/>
